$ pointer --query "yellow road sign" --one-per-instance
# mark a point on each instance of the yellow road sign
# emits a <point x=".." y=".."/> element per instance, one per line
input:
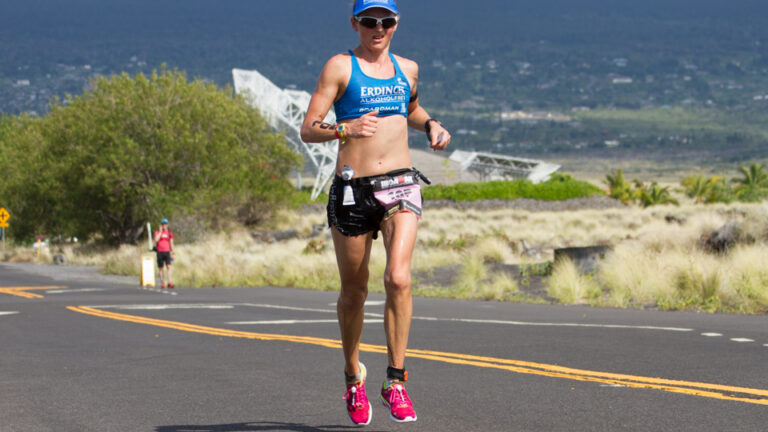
<point x="3" y="224"/>
<point x="4" y="215"/>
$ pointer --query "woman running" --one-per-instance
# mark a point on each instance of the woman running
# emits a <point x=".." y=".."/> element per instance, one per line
<point x="375" y="98"/>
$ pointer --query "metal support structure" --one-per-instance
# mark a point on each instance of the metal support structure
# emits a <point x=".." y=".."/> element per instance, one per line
<point x="501" y="167"/>
<point x="285" y="109"/>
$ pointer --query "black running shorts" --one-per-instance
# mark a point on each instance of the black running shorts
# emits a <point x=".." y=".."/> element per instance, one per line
<point x="164" y="258"/>
<point x="367" y="212"/>
<point x="363" y="216"/>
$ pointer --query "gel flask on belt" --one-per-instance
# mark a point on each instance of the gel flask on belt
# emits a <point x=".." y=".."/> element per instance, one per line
<point x="346" y="174"/>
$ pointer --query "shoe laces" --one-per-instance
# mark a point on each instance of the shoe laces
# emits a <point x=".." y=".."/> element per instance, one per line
<point x="355" y="396"/>
<point x="398" y="396"/>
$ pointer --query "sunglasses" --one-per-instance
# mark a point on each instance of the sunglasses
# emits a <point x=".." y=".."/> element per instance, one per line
<point x="372" y="22"/>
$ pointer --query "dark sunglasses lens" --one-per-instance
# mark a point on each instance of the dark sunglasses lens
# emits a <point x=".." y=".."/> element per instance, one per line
<point x="388" y="22"/>
<point x="373" y="22"/>
<point x="368" y="22"/>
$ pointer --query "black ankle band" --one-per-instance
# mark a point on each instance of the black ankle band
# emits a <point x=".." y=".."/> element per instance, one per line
<point x="351" y="379"/>
<point x="396" y="374"/>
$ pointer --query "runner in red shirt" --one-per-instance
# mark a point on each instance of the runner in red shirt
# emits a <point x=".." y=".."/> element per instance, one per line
<point x="165" y="251"/>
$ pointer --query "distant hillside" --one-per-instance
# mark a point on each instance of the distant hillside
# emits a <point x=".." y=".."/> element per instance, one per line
<point x="477" y="58"/>
<point x="208" y="38"/>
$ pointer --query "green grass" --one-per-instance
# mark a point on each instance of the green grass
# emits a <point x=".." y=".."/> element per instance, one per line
<point x="559" y="187"/>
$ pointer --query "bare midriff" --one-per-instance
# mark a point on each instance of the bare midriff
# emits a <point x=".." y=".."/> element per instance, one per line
<point x="386" y="150"/>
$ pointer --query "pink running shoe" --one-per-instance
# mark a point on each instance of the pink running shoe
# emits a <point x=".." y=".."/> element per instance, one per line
<point x="396" y="399"/>
<point x="358" y="407"/>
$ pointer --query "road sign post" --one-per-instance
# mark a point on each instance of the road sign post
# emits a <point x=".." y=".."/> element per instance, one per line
<point x="4" y="216"/>
<point x="147" y="271"/>
<point x="39" y="238"/>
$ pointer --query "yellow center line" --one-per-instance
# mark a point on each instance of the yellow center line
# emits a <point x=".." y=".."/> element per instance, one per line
<point x="21" y="291"/>
<point x="603" y="375"/>
<point x="715" y="391"/>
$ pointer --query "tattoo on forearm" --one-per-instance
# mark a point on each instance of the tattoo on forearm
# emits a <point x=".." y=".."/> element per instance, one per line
<point x="323" y="125"/>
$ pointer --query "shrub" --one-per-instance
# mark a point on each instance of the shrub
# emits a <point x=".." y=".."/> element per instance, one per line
<point x="132" y="149"/>
<point x="619" y="188"/>
<point x="559" y="187"/>
<point x="707" y="189"/>
<point x="655" y="195"/>
<point x="753" y="186"/>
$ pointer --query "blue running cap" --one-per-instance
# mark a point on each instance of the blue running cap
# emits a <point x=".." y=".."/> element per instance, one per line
<point x="164" y="221"/>
<point x="363" y="5"/>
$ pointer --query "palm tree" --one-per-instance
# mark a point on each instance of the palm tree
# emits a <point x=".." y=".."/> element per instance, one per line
<point x="704" y="189"/>
<point x="655" y="194"/>
<point x="754" y="185"/>
<point x="619" y="188"/>
<point x="695" y="187"/>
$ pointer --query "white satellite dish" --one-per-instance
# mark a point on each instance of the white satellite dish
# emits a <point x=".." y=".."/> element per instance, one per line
<point x="285" y="109"/>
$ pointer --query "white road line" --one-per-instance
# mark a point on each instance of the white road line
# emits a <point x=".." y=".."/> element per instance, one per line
<point x="476" y="321"/>
<point x="547" y="324"/>
<point x="367" y="303"/>
<point x="300" y="309"/>
<point x="517" y="323"/>
<point x="742" y="340"/>
<point x="165" y="306"/>
<point x="377" y="315"/>
<point x="282" y="322"/>
<point x="160" y="291"/>
<point x="64" y="291"/>
<point x="712" y="334"/>
<point x="8" y="313"/>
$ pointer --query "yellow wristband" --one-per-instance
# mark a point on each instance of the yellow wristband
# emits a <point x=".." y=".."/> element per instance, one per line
<point x="340" y="133"/>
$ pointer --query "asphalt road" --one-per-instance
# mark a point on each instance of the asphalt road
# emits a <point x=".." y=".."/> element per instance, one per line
<point x="92" y="354"/>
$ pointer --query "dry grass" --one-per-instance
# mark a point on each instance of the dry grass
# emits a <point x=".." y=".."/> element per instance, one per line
<point x="678" y="279"/>
<point x="656" y="259"/>
<point x="569" y="286"/>
<point x="665" y="266"/>
<point x="746" y="287"/>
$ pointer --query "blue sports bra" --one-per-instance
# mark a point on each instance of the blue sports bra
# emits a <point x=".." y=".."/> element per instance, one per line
<point x="363" y="94"/>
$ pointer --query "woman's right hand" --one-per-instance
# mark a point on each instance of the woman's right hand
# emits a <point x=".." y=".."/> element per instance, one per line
<point x="364" y="126"/>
